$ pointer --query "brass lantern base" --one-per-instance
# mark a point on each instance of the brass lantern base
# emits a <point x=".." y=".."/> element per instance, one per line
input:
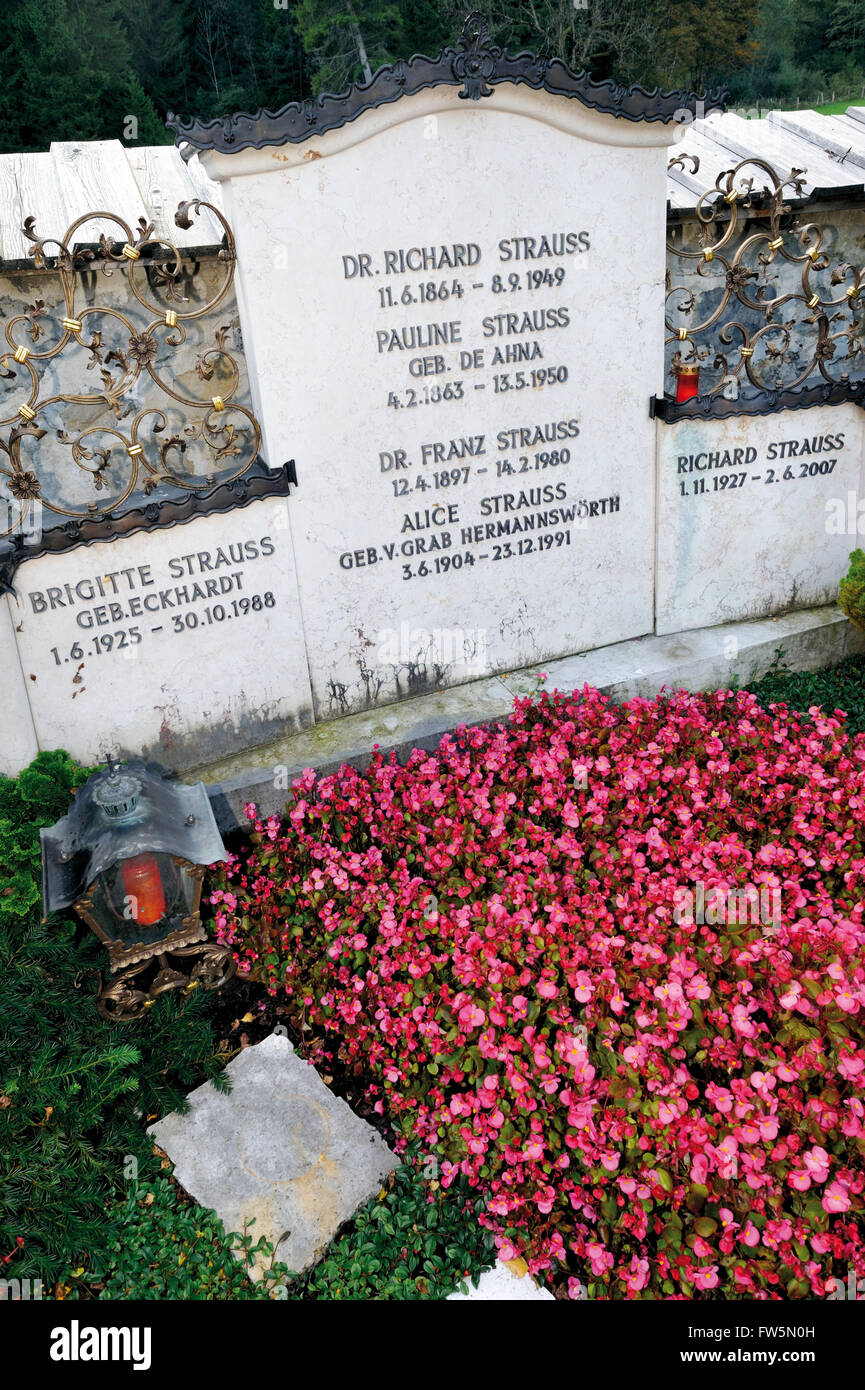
<point x="132" y="992"/>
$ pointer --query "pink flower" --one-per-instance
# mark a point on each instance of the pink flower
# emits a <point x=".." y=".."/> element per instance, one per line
<point x="637" y="1276"/>
<point x="600" y="1258"/>
<point x="699" y="1168"/>
<point x="836" y="1198"/>
<point x="817" y="1163"/>
<point x="850" y="1067"/>
<point x="720" y="1097"/>
<point x="554" y="845"/>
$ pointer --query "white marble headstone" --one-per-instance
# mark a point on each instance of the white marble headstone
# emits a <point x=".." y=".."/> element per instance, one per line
<point x="454" y="310"/>
<point x="180" y="644"/>
<point x="757" y="514"/>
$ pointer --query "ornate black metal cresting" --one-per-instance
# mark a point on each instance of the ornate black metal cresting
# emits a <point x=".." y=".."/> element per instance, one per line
<point x="476" y="66"/>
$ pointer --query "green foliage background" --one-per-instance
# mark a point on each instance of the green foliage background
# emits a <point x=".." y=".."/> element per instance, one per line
<point x="75" y="1090"/>
<point x="79" y="69"/>
<point x="851" y="591"/>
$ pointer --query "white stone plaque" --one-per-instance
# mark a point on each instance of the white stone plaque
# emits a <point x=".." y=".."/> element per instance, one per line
<point x="757" y="514"/>
<point x="454" y="309"/>
<point x="182" y="644"/>
<point x="18" y="742"/>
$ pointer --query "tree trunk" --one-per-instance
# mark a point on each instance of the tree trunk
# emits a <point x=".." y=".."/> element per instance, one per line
<point x="361" y="47"/>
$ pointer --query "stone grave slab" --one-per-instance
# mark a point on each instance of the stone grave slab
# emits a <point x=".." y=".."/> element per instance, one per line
<point x="180" y="644"/>
<point x="281" y="1148"/>
<point x="757" y="514"/>
<point x="458" y="341"/>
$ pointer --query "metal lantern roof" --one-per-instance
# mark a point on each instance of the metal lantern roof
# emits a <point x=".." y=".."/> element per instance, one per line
<point x="121" y="812"/>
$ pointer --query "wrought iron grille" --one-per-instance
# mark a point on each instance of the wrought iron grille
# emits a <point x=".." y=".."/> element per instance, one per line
<point x="122" y="380"/>
<point x="756" y="299"/>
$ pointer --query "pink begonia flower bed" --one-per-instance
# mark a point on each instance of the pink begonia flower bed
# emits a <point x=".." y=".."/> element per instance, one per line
<point x="547" y="950"/>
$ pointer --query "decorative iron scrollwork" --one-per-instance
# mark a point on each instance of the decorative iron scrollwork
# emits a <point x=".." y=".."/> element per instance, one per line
<point x="759" y="304"/>
<point x="121" y="445"/>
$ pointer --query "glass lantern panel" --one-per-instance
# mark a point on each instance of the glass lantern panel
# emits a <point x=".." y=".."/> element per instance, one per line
<point x="142" y="899"/>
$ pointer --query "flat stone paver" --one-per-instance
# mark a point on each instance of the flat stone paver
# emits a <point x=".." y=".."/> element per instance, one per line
<point x="280" y="1148"/>
<point x="502" y="1283"/>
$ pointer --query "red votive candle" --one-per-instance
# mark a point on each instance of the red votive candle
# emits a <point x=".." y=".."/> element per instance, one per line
<point x="142" y="882"/>
<point x="687" y="382"/>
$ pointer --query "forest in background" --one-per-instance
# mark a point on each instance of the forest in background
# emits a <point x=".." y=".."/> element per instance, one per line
<point x="111" y="69"/>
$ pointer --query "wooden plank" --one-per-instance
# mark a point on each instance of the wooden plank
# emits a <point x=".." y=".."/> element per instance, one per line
<point x="849" y="135"/>
<point x="825" y="133"/>
<point x="28" y="188"/>
<point x="94" y="175"/>
<point x="163" y="182"/>
<point x="678" y="196"/>
<point x="782" y="149"/>
<point x="714" y="160"/>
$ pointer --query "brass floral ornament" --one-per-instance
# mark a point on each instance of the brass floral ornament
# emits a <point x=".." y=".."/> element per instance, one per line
<point x="143" y="350"/>
<point x="129" y="454"/>
<point x="24" y="486"/>
<point x="785" y="335"/>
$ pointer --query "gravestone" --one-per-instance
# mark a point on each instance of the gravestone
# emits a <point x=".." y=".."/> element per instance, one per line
<point x="451" y="285"/>
<point x="754" y="513"/>
<point x="181" y="644"/>
<point x="145" y="562"/>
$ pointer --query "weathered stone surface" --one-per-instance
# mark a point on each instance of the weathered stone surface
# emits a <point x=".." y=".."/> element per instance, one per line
<point x="18" y="742"/>
<point x="181" y="645"/>
<point x="503" y="1283"/>
<point x="456" y="371"/>
<point x="702" y="660"/>
<point x="281" y="1149"/>
<point x="710" y="658"/>
<point x="757" y="514"/>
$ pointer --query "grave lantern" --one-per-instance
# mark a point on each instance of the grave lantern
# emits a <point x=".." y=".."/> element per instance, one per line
<point x="130" y="857"/>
